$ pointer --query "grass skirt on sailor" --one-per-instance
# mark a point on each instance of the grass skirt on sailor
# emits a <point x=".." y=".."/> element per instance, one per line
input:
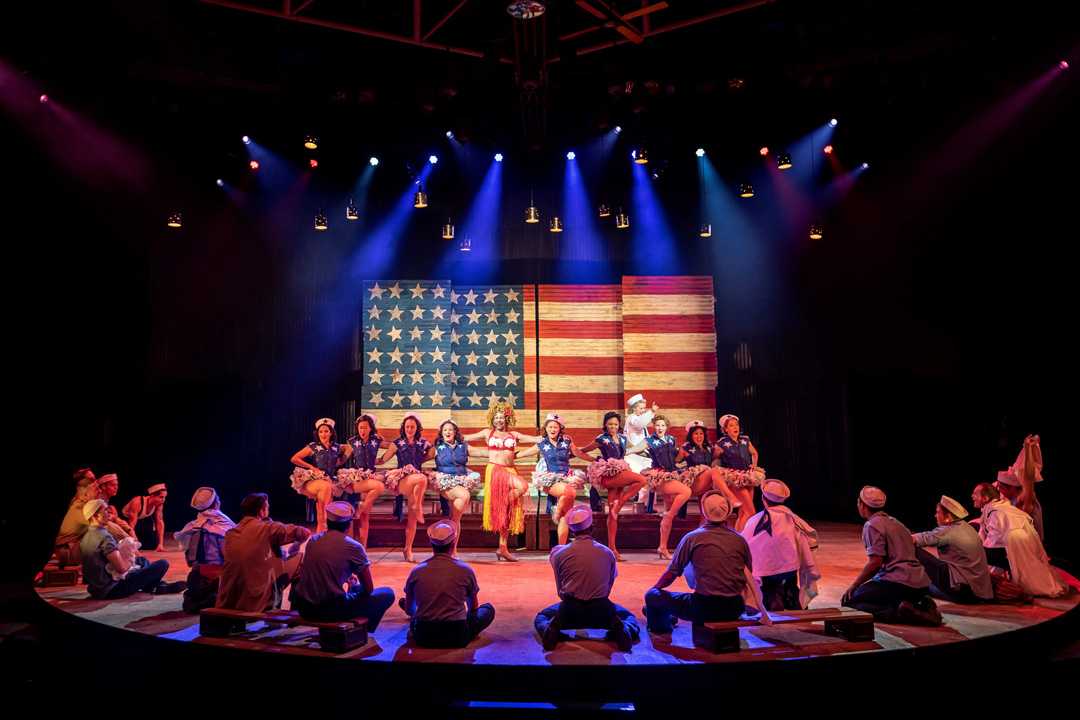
<point x="395" y="476"/>
<point x="470" y="481"/>
<point x="744" y="478"/>
<point x="690" y="474"/>
<point x="658" y="477"/>
<point x="348" y="477"/>
<point x="601" y="471"/>
<point x="544" y="479"/>
<point x="500" y="515"/>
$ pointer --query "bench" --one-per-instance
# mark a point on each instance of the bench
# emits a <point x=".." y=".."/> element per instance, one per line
<point x="335" y="637"/>
<point x="852" y="625"/>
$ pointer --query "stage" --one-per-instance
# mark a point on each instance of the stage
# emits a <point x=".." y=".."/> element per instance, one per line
<point x="519" y="590"/>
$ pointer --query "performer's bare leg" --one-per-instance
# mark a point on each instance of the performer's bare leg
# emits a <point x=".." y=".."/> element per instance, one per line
<point x="372" y="489"/>
<point x="566" y="494"/>
<point x="719" y="482"/>
<point x="621" y="489"/>
<point x="319" y="491"/>
<point x="459" y="499"/>
<point x="746" y="510"/>
<point x="408" y="490"/>
<point x="678" y="494"/>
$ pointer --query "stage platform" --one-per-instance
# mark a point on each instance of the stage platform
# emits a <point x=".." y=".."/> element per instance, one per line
<point x="519" y="590"/>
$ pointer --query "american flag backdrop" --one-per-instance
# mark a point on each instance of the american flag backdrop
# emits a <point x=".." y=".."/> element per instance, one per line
<point x="444" y="350"/>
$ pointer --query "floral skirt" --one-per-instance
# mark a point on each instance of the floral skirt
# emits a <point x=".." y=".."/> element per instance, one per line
<point x="657" y="477"/>
<point x="395" y="476"/>
<point x="470" y="481"/>
<point x="690" y="474"/>
<point x="348" y="477"/>
<point x="544" y="480"/>
<point x="744" y="478"/>
<point x="601" y="471"/>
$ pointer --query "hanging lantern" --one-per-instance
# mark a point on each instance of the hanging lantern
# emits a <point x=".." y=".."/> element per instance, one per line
<point x="816" y="232"/>
<point x="622" y="220"/>
<point x="465" y="245"/>
<point x="605" y="211"/>
<point x="311" y="142"/>
<point x="556" y="225"/>
<point x="320" y="221"/>
<point x="448" y="230"/>
<point x="705" y="231"/>
<point x="746" y="190"/>
<point x="175" y="221"/>
<point x="783" y="161"/>
<point x="351" y="212"/>
<point x="420" y="199"/>
<point x="532" y="215"/>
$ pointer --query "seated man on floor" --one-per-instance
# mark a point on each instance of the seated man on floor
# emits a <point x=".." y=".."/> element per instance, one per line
<point x="108" y="486"/>
<point x="892" y="586"/>
<point x="958" y="572"/>
<point x="74" y="525"/>
<point x="1012" y="545"/>
<point x="108" y="573"/>
<point x="333" y="561"/>
<point x="254" y="577"/>
<point x="584" y="575"/>
<point x="718" y="568"/>
<point x="203" y="539"/>
<point x="782" y="551"/>
<point x="148" y="507"/>
<point x="440" y="596"/>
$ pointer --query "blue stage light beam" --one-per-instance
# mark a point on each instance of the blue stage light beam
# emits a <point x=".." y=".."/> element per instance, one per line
<point x="654" y="250"/>
<point x="380" y="246"/>
<point x="581" y="241"/>
<point x="481" y="226"/>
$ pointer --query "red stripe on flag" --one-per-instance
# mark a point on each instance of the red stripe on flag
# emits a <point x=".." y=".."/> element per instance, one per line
<point x="560" y="365"/>
<point x="527" y="293"/>
<point x="679" y="399"/>
<point x="587" y="329"/>
<point x="658" y="324"/>
<point x="580" y="401"/>
<point x="682" y="285"/>
<point x="580" y="293"/>
<point x="667" y="362"/>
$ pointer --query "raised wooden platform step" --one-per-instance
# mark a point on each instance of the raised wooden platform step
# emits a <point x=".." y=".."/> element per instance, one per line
<point x="636" y="531"/>
<point x="852" y="625"/>
<point x="335" y="637"/>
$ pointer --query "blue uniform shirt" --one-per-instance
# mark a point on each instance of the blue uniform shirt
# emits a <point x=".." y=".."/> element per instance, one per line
<point x="411" y="453"/>
<point x="662" y="450"/>
<point x="365" y="454"/>
<point x="556" y="455"/>
<point x="326" y="458"/>
<point x="696" y="455"/>
<point x="452" y="459"/>
<point x="610" y="448"/>
<point x="736" y="455"/>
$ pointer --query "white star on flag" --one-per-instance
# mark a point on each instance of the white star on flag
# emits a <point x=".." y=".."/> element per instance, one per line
<point x="438" y="291"/>
<point x="492" y="357"/>
<point x="438" y="313"/>
<point x="417" y="377"/>
<point x="395" y="355"/>
<point x="417" y="292"/>
<point x="396" y="399"/>
<point x="437" y="377"/>
<point x="470" y="297"/>
<point x="511" y="337"/>
<point x="373" y="313"/>
<point x="454" y="318"/>
<point x="455" y="339"/>
<point x="511" y="357"/>
<point x="436" y="354"/>
<point x="374" y="356"/>
<point x="511" y="378"/>
<point x="376" y="377"/>
<point x="373" y="333"/>
<point x="492" y="337"/>
<point x="395" y="313"/>
<point x="490" y="295"/>
<point x="511" y="295"/>
<point x="453" y="377"/>
<point x="376" y="399"/>
<point x="376" y="292"/>
<point x="436" y="399"/>
<point x="415" y="399"/>
<point x="436" y="333"/>
<point x="492" y="317"/>
<point x="455" y="400"/>
<point x="397" y="377"/>
<point x="415" y="333"/>
<point x="454" y="358"/>
<point x="454" y="297"/>
<point x="493" y="397"/>
<point x="474" y="317"/>
<point x="418" y="313"/>
<point x="394" y="334"/>
<point x="512" y="316"/>
<point x="471" y="378"/>
<point x="395" y="291"/>
<point x="417" y="355"/>
<point x="471" y="358"/>
<point x="491" y="378"/>
<point x="474" y="337"/>
<point x="511" y="398"/>
<point x="476" y="399"/>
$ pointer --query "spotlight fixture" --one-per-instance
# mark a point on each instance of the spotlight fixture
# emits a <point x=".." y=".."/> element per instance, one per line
<point x="834" y="122"/>
<point x="556" y="225"/>
<point x="618" y="129"/>
<point x="622" y="220"/>
<point x="219" y="182"/>
<point x="764" y="151"/>
<point x="866" y="166"/>
<point x="433" y="159"/>
<point x="450" y="134"/>
<point x="532" y="213"/>
<point x="420" y="198"/>
<point x="246" y="139"/>
<point x="498" y="157"/>
<point x="254" y="164"/>
<point x="816" y="232"/>
<point x="320" y="221"/>
<point x="313" y="163"/>
<point x="311" y="142"/>
<point x="526" y="9"/>
<point x="448" y="230"/>
<point x="700" y="152"/>
<point x="350" y="211"/>
<point x="43" y="99"/>
<point x="465" y="245"/>
<point x="640" y="156"/>
<point x="373" y="161"/>
<point x="571" y="155"/>
<point x="783" y="161"/>
<point x="828" y="149"/>
<point x="605" y="211"/>
<point x="175" y="221"/>
<point x="746" y="190"/>
<point x="1064" y="65"/>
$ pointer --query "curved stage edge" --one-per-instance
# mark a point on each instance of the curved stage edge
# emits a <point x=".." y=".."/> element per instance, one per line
<point x="507" y="661"/>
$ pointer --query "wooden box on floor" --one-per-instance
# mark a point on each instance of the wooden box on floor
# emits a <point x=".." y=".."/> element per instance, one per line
<point x="852" y="625"/>
<point x="335" y="637"/>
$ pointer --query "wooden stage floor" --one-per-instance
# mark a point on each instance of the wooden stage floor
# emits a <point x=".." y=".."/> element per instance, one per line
<point x="519" y="590"/>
